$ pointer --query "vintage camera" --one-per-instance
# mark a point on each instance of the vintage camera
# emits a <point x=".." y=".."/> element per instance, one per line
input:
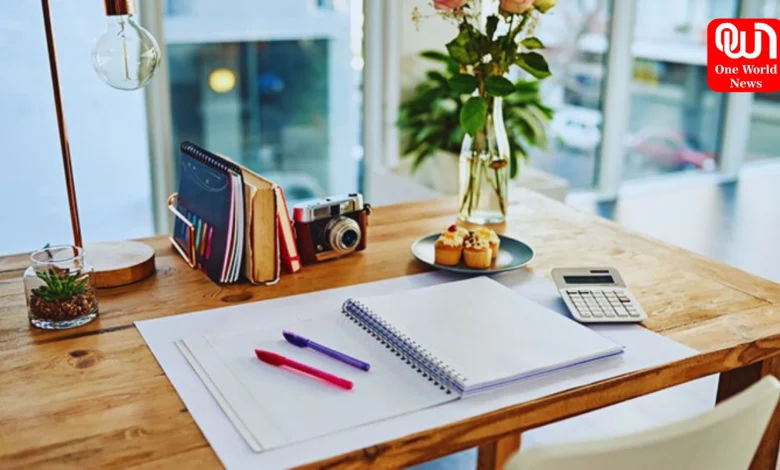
<point x="331" y="227"/>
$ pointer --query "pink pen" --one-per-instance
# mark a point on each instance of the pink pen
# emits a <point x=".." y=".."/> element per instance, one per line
<point x="280" y="361"/>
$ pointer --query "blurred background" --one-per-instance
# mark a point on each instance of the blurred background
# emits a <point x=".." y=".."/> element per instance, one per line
<point x="306" y="92"/>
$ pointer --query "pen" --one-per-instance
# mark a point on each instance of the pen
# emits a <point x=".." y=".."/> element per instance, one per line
<point x="302" y="342"/>
<point x="280" y="361"/>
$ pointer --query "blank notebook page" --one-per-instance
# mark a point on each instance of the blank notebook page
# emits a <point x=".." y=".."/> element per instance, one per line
<point x="487" y="333"/>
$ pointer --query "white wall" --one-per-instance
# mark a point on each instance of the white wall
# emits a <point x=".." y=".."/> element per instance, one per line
<point x="107" y="131"/>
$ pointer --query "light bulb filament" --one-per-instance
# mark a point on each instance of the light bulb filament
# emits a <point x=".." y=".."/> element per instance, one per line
<point x="124" y="48"/>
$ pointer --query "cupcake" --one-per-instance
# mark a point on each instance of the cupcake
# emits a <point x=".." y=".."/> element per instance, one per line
<point x="448" y="249"/>
<point x="477" y="252"/>
<point x="459" y="232"/>
<point x="491" y="237"/>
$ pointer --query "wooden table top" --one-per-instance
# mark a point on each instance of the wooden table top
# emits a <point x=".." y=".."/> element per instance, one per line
<point x="95" y="396"/>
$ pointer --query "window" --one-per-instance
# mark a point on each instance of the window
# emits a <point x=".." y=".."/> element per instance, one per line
<point x="675" y="122"/>
<point x="577" y="41"/>
<point x="274" y="85"/>
<point x="107" y="130"/>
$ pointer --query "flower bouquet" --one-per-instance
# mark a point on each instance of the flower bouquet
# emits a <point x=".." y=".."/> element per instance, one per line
<point x="492" y="36"/>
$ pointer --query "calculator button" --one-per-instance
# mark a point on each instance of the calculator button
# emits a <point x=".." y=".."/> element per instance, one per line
<point x="634" y="313"/>
<point x="609" y="314"/>
<point x="584" y="292"/>
<point x="584" y="313"/>
<point x="622" y="313"/>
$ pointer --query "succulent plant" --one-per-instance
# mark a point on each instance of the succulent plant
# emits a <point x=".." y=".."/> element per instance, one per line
<point x="60" y="287"/>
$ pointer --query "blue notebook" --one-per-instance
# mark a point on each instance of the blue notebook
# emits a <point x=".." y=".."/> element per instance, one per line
<point x="211" y="197"/>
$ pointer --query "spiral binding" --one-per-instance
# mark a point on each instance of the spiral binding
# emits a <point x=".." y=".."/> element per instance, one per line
<point x="207" y="157"/>
<point x="419" y="358"/>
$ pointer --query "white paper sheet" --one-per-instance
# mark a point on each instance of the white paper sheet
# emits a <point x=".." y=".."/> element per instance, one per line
<point x="643" y="349"/>
<point x="252" y="391"/>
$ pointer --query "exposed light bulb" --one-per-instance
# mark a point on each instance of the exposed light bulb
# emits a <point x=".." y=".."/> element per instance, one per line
<point x="126" y="56"/>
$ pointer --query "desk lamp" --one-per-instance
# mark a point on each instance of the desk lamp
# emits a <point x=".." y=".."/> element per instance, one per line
<point x="125" y="57"/>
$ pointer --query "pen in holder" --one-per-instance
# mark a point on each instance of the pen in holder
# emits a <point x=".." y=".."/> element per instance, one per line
<point x="188" y="252"/>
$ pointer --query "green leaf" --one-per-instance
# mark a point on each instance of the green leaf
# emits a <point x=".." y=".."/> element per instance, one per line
<point x="491" y="26"/>
<point x="513" y="166"/>
<point x="499" y="86"/>
<point x="530" y="86"/>
<point x="532" y="43"/>
<point x="535" y="128"/>
<point x="425" y="132"/>
<point x="463" y="83"/>
<point x="435" y="55"/>
<point x="459" y="53"/>
<point x="473" y="115"/>
<point x="534" y="63"/>
<point x="546" y="110"/>
<point x="437" y="77"/>
<point x="427" y="152"/>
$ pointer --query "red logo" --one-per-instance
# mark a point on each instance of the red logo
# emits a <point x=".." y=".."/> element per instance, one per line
<point x="742" y="55"/>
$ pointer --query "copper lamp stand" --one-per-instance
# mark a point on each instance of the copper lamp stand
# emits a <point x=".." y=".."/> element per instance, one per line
<point x="116" y="263"/>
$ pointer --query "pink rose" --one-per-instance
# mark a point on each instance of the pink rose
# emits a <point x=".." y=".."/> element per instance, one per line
<point x="517" y="7"/>
<point x="450" y="4"/>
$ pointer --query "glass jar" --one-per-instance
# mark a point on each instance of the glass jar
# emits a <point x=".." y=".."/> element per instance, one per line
<point x="484" y="170"/>
<point x="60" y="288"/>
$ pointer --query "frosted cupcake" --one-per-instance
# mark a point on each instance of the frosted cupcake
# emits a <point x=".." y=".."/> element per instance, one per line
<point x="460" y="232"/>
<point x="477" y="253"/>
<point x="491" y="237"/>
<point x="448" y="249"/>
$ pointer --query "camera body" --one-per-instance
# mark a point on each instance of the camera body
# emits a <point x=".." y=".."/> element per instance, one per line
<point x="330" y="227"/>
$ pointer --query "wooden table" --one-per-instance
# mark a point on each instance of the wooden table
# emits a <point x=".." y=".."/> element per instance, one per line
<point x="95" y="396"/>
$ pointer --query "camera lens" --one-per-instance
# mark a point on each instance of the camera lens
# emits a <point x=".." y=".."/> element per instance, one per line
<point x="343" y="234"/>
<point x="349" y="238"/>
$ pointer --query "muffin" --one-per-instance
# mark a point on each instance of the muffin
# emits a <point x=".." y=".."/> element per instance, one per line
<point x="477" y="253"/>
<point x="448" y="249"/>
<point x="491" y="237"/>
<point x="460" y="232"/>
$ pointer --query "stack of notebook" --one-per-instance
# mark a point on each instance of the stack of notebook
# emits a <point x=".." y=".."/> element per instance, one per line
<point x="230" y="222"/>
<point x="426" y="347"/>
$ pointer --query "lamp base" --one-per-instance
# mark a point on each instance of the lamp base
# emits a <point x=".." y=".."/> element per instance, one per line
<point x="120" y="263"/>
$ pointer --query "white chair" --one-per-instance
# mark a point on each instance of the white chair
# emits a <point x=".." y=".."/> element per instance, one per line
<point x="725" y="438"/>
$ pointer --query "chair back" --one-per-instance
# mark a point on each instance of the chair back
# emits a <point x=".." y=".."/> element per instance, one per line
<point x="725" y="438"/>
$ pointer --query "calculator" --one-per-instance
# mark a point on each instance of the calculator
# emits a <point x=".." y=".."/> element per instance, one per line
<point x="597" y="295"/>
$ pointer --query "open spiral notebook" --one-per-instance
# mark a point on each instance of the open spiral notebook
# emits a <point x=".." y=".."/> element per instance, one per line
<point x="426" y="347"/>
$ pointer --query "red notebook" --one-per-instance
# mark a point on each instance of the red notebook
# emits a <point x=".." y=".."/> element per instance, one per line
<point x="291" y="262"/>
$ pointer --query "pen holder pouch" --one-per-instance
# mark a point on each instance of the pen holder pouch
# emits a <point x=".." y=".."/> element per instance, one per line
<point x="184" y="242"/>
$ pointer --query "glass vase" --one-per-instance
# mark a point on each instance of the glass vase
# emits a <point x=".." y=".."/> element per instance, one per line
<point x="484" y="170"/>
<point x="60" y="288"/>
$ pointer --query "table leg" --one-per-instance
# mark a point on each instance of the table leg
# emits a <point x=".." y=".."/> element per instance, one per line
<point x="735" y="381"/>
<point x="493" y="455"/>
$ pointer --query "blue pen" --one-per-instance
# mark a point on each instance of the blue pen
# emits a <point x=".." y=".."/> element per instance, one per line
<point x="302" y="342"/>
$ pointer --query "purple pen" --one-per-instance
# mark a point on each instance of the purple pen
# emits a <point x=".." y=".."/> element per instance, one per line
<point x="302" y="342"/>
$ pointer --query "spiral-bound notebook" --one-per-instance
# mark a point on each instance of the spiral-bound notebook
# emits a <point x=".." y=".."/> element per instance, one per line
<point x="211" y="197"/>
<point x="426" y="347"/>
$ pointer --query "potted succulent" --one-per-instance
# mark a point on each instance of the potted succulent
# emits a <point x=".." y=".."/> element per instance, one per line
<point x="492" y="37"/>
<point x="60" y="288"/>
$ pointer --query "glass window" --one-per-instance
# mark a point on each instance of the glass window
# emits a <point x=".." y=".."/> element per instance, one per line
<point x="279" y="93"/>
<point x="765" y="121"/>
<point x="675" y="122"/>
<point x="107" y="130"/>
<point x="577" y="42"/>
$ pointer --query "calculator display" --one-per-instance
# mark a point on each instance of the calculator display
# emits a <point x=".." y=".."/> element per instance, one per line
<point x="589" y="279"/>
